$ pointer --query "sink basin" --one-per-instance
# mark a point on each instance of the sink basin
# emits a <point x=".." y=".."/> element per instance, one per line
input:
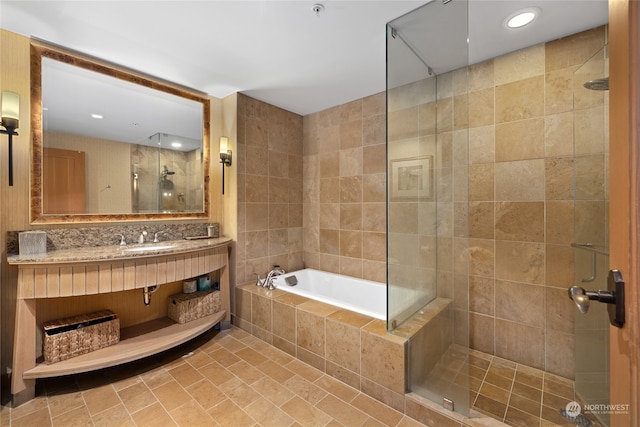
<point x="147" y="248"/>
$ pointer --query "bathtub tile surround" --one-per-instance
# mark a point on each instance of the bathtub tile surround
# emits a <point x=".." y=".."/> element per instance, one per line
<point x="351" y="347"/>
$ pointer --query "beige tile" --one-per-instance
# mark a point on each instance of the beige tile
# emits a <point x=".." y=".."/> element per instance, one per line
<point x="185" y="375"/>
<point x="520" y="262"/>
<point x="481" y="257"/>
<point x="351" y="162"/>
<point x="305" y="389"/>
<point x="481" y="333"/>
<point x="520" y="65"/>
<point x="560" y="222"/>
<point x="215" y="372"/>
<point x="521" y="343"/>
<point x="227" y="413"/>
<point x="376" y="409"/>
<point x="266" y="413"/>
<point x="481" y="295"/>
<point x="559" y="265"/>
<point x="304" y="413"/>
<point x="482" y="144"/>
<point x="522" y="99"/>
<point x="341" y="411"/>
<point x="381" y="361"/>
<point x="76" y="417"/>
<point x="272" y="390"/>
<point x="206" y="394"/>
<point x="491" y="407"/>
<point x="191" y="414"/>
<point x="374" y="216"/>
<point x="115" y="416"/>
<point x="481" y="182"/>
<point x="351" y="189"/>
<point x="374" y="188"/>
<point x="520" y="180"/>
<point x="336" y="388"/>
<point x="517" y="418"/>
<point x="351" y="244"/>
<point x="520" y="303"/>
<point x="521" y="221"/>
<point x="310" y="332"/>
<point x="351" y="216"/>
<point x="559" y="90"/>
<point x="520" y="140"/>
<point x="276" y="371"/>
<point x="481" y="108"/>
<point x="573" y="50"/>
<point x="61" y="403"/>
<point x="99" y="399"/>
<point x="153" y="415"/>
<point x="560" y="353"/>
<point x="374" y="159"/>
<point x="495" y="393"/>
<point x="39" y="417"/>
<point x="559" y="134"/>
<point x="343" y="345"/>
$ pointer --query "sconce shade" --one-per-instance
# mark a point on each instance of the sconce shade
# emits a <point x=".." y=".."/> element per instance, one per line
<point x="10" y="110"/>
<point x="224" y="144"/>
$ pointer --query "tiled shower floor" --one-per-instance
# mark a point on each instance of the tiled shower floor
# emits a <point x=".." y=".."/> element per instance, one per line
<point x="515" y="394"/>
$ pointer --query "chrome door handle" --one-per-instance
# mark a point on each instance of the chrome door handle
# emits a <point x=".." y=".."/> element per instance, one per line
<point x="614" y="296"/>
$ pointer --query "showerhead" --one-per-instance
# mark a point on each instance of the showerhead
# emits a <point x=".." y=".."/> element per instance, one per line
<point x="166" y="172"/>
<point x="597" y="84"/>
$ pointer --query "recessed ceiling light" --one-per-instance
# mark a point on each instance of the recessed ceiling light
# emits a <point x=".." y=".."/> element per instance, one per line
<point x="97" y="116"/>
<point x="176" y="144"/>
<point x="522" y="17"/>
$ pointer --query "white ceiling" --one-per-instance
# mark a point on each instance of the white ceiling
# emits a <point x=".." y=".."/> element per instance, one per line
<point x="276" y="51"/>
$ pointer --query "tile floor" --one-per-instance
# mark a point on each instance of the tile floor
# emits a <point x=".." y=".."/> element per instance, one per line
<point x="229" y="378"/>
<point x="518" y="395"/>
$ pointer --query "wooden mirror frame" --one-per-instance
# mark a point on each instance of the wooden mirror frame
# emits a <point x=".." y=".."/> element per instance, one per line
<point x="37" y="216"/>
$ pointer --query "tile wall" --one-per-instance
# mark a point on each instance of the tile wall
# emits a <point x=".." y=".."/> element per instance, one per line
<point x="344" y="189"/>
<point x="269" y="162"/>
<point x="521" y="200"/>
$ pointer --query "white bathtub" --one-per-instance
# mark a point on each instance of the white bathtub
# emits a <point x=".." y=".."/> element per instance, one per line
<point x="359" y="295"/>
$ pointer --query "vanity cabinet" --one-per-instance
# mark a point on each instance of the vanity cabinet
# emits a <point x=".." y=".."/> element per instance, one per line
<point x="104" y="273"/>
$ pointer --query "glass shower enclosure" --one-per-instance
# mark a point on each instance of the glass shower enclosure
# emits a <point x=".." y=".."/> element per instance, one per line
<point x="427" y="198"/>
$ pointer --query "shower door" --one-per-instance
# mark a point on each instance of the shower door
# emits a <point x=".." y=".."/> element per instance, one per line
<point x="427" y="198"/>
<point x="591" y="249"/>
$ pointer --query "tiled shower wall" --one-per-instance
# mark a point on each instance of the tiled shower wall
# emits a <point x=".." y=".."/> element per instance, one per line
<point x="344" y="189"/>
<point x="504" y="167"/>
<point x="269" y="162"/>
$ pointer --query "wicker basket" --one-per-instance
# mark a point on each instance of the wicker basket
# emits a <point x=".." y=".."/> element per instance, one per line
<point x="184" y="308"/>
<point x="73" y="336"/>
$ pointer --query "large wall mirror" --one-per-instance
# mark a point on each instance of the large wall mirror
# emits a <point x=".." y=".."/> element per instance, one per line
<point x="110" y="145"/>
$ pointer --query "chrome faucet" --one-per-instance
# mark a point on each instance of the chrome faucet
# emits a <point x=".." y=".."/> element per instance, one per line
<point x="155" y="236"/>
<point x="142" y="236"/>
<point x="268" y="282"/>
<point x="122" y="241"/>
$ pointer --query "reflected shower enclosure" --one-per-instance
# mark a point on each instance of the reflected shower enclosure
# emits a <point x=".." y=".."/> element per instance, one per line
<point x="164" y="175"/>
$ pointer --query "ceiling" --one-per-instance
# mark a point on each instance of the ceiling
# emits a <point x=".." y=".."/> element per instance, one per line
<point x="280" y="52"/>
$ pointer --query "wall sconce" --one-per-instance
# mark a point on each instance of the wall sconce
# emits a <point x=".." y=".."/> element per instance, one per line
<point x="10" y="119"/>
<point x="225" y="156"/>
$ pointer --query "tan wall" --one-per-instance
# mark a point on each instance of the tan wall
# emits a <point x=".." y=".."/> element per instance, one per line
<point x="269" y="183"/>
<point x="344" y="189"/>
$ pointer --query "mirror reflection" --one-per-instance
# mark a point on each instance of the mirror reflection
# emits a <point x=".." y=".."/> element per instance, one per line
<point x="115" y="146"/>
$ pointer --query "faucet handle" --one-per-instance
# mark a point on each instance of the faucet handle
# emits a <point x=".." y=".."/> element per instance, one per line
<point x="259" y="281"/>
<point x="155" y="236"/>
<point x="122" y="241"/>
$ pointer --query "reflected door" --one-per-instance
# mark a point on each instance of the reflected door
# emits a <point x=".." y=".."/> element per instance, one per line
<point x="63" y="181"/>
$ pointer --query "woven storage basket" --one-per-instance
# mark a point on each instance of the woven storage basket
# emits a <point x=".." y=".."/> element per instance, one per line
<point x="184" y="308"/>
<point x="76" y="335"/>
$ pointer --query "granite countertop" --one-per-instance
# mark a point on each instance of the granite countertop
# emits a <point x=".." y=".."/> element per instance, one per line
<point x="116" y="252"/>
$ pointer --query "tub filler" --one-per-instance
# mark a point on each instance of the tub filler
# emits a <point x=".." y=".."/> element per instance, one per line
<point x="337" y="324"/>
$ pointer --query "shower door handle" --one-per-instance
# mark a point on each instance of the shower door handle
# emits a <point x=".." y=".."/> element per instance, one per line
<point x="614" y="296"/>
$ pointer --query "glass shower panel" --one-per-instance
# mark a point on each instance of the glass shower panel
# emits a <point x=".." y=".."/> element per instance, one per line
<point x="427" y="198"/>
<point x="591" y="100"/>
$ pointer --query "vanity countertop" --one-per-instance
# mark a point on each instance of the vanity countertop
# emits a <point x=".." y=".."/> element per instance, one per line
<point x="116" y="252"/>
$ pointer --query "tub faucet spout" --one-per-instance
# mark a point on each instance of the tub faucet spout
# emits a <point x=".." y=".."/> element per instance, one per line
<point x="268" y="282"/>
